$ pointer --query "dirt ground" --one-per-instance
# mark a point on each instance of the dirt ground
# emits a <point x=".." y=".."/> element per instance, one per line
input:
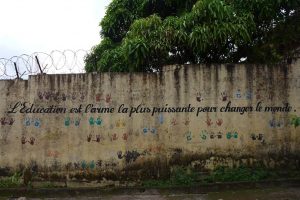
<point x="292" y="193"/>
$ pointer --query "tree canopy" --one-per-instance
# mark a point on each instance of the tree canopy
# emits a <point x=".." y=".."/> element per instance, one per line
<point x="144" y="35"/>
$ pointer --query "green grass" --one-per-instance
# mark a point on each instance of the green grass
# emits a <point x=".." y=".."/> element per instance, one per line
<point x="242" y="173"/>
<point x="11" y="182"/>
<point x="180" y="176"/>
<point x="184" y="176"/>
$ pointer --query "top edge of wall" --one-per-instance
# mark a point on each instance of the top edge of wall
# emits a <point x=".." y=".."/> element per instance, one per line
<point x="164" y="69"/>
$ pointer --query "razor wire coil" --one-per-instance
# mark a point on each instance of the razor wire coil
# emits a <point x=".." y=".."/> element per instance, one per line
<point x="55" y="62"/>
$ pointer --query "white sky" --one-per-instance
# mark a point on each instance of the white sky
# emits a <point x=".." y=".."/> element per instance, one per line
<point x="28" y="26"/>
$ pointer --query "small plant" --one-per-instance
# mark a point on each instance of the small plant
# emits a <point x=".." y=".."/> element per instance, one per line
<point x="183" y="176"/>
<point x="10" y="182"/>
<point x="295" y="121"/>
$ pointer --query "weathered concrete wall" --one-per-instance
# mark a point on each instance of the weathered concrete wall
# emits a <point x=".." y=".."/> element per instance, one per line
<point x="104" y="123"/>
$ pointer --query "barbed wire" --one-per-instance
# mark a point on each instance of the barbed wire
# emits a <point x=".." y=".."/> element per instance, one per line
<point x="55" y="62"/>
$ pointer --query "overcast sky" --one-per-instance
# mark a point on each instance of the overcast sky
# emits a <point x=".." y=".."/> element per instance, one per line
<point x="28" y="26"/>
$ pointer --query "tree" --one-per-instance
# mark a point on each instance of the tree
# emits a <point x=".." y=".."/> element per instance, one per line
<point x="144" y="35"/>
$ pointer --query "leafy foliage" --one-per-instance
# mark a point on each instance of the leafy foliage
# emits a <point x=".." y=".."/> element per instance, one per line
<point x="144" y="35"/>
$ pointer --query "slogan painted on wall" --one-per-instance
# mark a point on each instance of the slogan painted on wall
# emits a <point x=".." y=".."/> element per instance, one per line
<point x="27" y="108"/>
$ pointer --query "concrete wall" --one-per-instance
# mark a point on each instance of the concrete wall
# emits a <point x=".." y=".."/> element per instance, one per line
<point x="105" y="124"/>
